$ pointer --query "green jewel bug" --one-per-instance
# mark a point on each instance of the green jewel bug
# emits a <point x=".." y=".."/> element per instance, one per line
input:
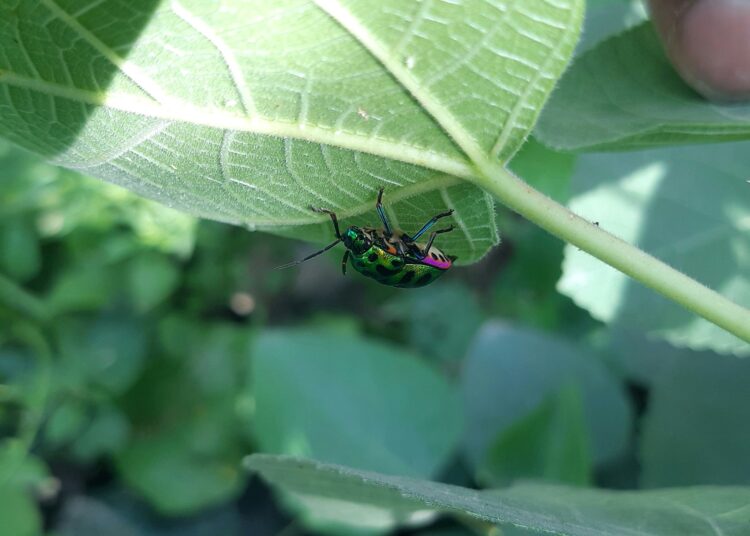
<point x="389" y="256"/>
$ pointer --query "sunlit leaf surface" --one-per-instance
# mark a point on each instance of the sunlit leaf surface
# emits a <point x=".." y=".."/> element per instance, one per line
<point x="251" y="111"/>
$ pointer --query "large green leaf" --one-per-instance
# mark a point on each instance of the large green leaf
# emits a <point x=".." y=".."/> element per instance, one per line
<point x="250" y="111"/>
<point x="561" y="510"/>
<point x="624" y="93"/>
<point x="688" y="206"/>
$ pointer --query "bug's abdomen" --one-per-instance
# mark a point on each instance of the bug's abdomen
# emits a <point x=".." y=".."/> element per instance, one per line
<point x="394" y="270"/>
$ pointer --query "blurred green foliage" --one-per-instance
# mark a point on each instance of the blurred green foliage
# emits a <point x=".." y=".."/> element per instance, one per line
<point x="143" y="354"/>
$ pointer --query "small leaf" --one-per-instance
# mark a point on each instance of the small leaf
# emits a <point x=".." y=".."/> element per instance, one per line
<point x="82" y="288"/>
<point x="698" y="511"/>
<point x="624" y="93"/>
<point x="65" y="423"/>
<point x="688" y="206"/>
<point x="108" y="352"/>
<point x="174" y="476"/>
<point x="19" y="513"/>
<point x="441" y="323"/>
<point x="510" y="371"/>
<point x="347" y="399"/>
<point x="550" y="443"/>
<point x="105" y="433"/>
<point x="152" y="279"/>
<point x="20" y="255"/>
<point x="696" y="429"/>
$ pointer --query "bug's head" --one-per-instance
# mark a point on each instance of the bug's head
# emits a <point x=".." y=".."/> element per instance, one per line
<point x="356" y="240"/>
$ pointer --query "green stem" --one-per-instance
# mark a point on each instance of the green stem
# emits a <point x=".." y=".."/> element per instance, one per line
<point x="561" y="222"/>
<point x="535" y="206"/>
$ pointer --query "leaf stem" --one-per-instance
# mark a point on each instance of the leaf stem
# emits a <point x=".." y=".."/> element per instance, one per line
<point x="561" y="222"/>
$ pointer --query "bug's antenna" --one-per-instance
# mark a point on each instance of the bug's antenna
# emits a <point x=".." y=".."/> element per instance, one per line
<point x="295" y="263"/>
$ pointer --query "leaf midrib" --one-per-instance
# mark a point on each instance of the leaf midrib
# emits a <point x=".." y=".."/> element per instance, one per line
<point x="431" y="104"/>
<point x="184" y="112"/>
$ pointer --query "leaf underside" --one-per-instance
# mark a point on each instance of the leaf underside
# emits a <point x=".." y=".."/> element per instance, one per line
<point x="564" y="510"/>
<point x="250" y="111"/>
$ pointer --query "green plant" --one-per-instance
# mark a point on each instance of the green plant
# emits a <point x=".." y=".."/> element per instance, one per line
<point x="124" y="342"/>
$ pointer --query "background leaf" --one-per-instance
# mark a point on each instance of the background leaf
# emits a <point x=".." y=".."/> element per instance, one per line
<point x="346" y="399"/>
<point x="695" y="430"/>
<point x="342" y="398"/>
<point x="432" y="331"/>
<point x="624" y="93"/>
<point x="510" y="371"/>
<point x="557" y="509"/>
<point x="688" y="206"/>
<point x="550" y="443"/>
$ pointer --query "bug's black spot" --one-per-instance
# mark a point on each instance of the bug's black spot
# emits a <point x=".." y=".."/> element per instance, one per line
<point x="397" y="263"/>
<point x="372" y="257"/>
<point x="433" y="255"/>
<point x="408" y="276"/>
<point x="382" y="270"/>
<point x="423" y="280"/>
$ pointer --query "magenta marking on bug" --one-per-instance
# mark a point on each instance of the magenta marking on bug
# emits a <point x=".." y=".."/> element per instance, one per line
<point x="437" y="263"/>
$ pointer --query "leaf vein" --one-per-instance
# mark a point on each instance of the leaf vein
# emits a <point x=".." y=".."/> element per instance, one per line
<point x="225" y="52"/>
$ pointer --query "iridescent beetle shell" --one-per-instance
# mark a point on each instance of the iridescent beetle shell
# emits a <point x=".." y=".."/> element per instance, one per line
<point x="382" y="262"/>
<point x="391" y="258"/>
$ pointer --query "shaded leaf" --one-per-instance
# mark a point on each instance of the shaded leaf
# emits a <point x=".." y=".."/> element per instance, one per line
<point x="152" y="279"/>
<point x="441" y="323"/>
<point x="19" y="513"/>
<point x="105" y="433"/>
<point x="562" y="510"/>
<point x="549" y="443"/>
<point x="173" y="473"/>
<point x="108" y="352"/>
<point x="695" y="431"/>
<point x="510" y="371"/>
<point x="545" y="169"/>
<point x="20" y="257"/>
<point x="624" y="93"/>
<point x="343" y="398"/>
<point x="688" y="206"/>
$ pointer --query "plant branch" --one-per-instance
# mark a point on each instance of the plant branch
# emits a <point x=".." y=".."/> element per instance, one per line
<point x="561" y="222"/>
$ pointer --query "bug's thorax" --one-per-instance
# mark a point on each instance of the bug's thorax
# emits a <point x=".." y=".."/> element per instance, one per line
<point x="399" y="244"/>
<point x="357" y="240"/>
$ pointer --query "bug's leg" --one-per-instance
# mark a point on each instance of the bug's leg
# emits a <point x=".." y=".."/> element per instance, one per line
<point x="430" y="223"/>
<point x="381" y="213"/>
<point x="295" y="263"/>
<point x="332" y="214"/>
<point x="426" y="249"/>
<point x="344" y="261"/>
